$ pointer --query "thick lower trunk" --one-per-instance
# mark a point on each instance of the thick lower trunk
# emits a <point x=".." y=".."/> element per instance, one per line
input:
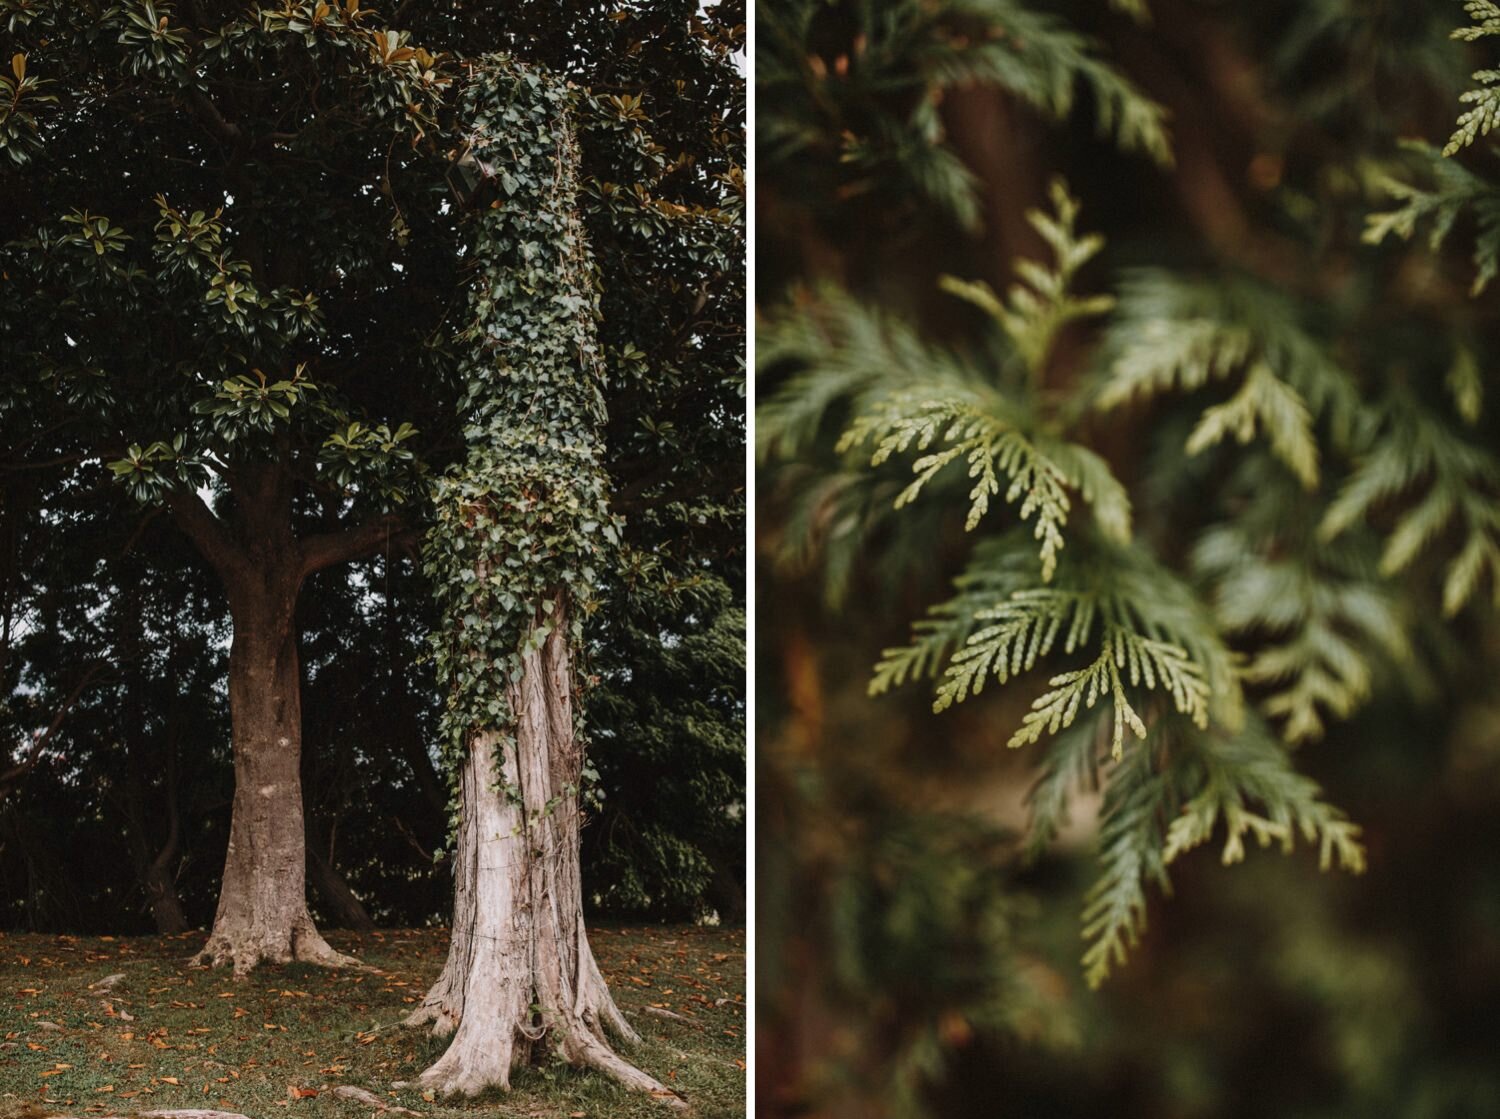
<point x="262" y="912"/>
<point x="161" y="894"/>
<point x="157" y="878"/>
<point x="521" y="981"/>
<point x="338" y="902"/>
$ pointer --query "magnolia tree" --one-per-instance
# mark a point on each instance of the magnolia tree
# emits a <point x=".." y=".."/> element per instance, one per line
<point x="203" y="250"/>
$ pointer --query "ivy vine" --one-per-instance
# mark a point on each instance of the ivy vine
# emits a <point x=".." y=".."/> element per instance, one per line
<point x="522" y="527"/>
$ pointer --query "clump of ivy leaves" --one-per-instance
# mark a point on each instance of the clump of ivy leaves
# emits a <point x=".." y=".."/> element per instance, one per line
<point x="522" y="527"/>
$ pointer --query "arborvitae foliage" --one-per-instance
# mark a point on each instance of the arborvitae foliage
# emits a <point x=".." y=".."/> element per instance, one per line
<point x="1204" y="456"/>
<point x="868" y="119"/>
<point x="1117" y="627"/>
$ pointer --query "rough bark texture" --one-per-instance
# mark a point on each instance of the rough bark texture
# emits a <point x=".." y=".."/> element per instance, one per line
<point x="262" y="912"/>
<point x="521" y="980"/>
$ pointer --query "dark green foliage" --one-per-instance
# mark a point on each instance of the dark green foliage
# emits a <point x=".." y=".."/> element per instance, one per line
<point x="667" y="833"/>
<point x="849" y="92"/>
<point x="1231" y="526"/>
<point x="523" y="528"/>
<point x="206" y="276"/>
<point x="113" y="630"/>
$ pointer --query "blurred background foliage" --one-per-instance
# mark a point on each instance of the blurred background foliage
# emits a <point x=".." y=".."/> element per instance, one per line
<point x="1281" y="355"/>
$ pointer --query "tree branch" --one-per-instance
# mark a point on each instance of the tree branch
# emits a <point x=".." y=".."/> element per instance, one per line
<point x="12" y="776"/>
<point x="208" y="533"/>
<point x="330" y="548"/>
<point x="209" y="113"/>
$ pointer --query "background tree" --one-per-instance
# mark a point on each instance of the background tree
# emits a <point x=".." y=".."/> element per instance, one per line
<point x="1197" y="493"/>
<point x="113" y="608"/>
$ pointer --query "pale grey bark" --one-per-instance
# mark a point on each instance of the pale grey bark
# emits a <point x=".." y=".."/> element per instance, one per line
<point x="520" y="978"/>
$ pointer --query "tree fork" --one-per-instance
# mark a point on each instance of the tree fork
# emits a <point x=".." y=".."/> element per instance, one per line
<point x="262" y="912"/>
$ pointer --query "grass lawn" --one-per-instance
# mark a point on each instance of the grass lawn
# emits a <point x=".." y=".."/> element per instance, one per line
<point x="171" y="1036"/>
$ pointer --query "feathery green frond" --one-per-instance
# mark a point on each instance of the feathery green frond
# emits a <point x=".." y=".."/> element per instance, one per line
<point x="1138" y="800"/>
<point x="1180" y="333"/>
<point x="1096" y="483"/>
<point x="1486" y="20"/>
<point x="852" y="98"/>
<point x="1319" y="615"/>
<point x="1169" y="797"/>
<point x="1071" y="765"/>
<point x="1144" y="629"/>
<point x="1248" y="782"/>
<point x="1041" y="303"/>
<point x="1481" y="119"/>
<point x="829" y="517"/>
<point x="904" y="396"/>
<point x="1043" y="61"/>
<point x="1269" y="405"/>
<point x="842" y="349"/>
<point x="1000" y="568"/>
<point x="1027" y="627"/>
<point x="983" y="439"/>
<point x="1485" y="114"/>
<point x="1417" y="454"/>
<point x="1455" y="190"/>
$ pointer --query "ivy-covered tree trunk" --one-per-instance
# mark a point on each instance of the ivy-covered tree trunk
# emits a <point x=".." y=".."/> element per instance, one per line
<point x="522" y="536"/>
<point x="521" y="980"/>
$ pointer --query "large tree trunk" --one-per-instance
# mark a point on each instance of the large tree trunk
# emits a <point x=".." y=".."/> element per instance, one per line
<point x="521" y="981"/>
<point x="262" y="912"/>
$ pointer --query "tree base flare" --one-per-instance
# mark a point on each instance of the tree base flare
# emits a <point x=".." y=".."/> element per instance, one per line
<point x="247" y="948"/>
<point x="521" y="980"/>
<point x="461" y="1072"/>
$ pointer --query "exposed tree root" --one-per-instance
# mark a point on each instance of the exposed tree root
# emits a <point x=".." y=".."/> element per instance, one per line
<point x="521" y="979"/>
<point x="369" y="1099"/>
<point x="244" y="949"/>
<point x="600" y="1057"/>
<point x="443" y="1021"/>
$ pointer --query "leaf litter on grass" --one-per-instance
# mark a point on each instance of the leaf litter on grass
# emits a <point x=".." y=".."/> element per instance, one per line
<point x="168" y="1035"/>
